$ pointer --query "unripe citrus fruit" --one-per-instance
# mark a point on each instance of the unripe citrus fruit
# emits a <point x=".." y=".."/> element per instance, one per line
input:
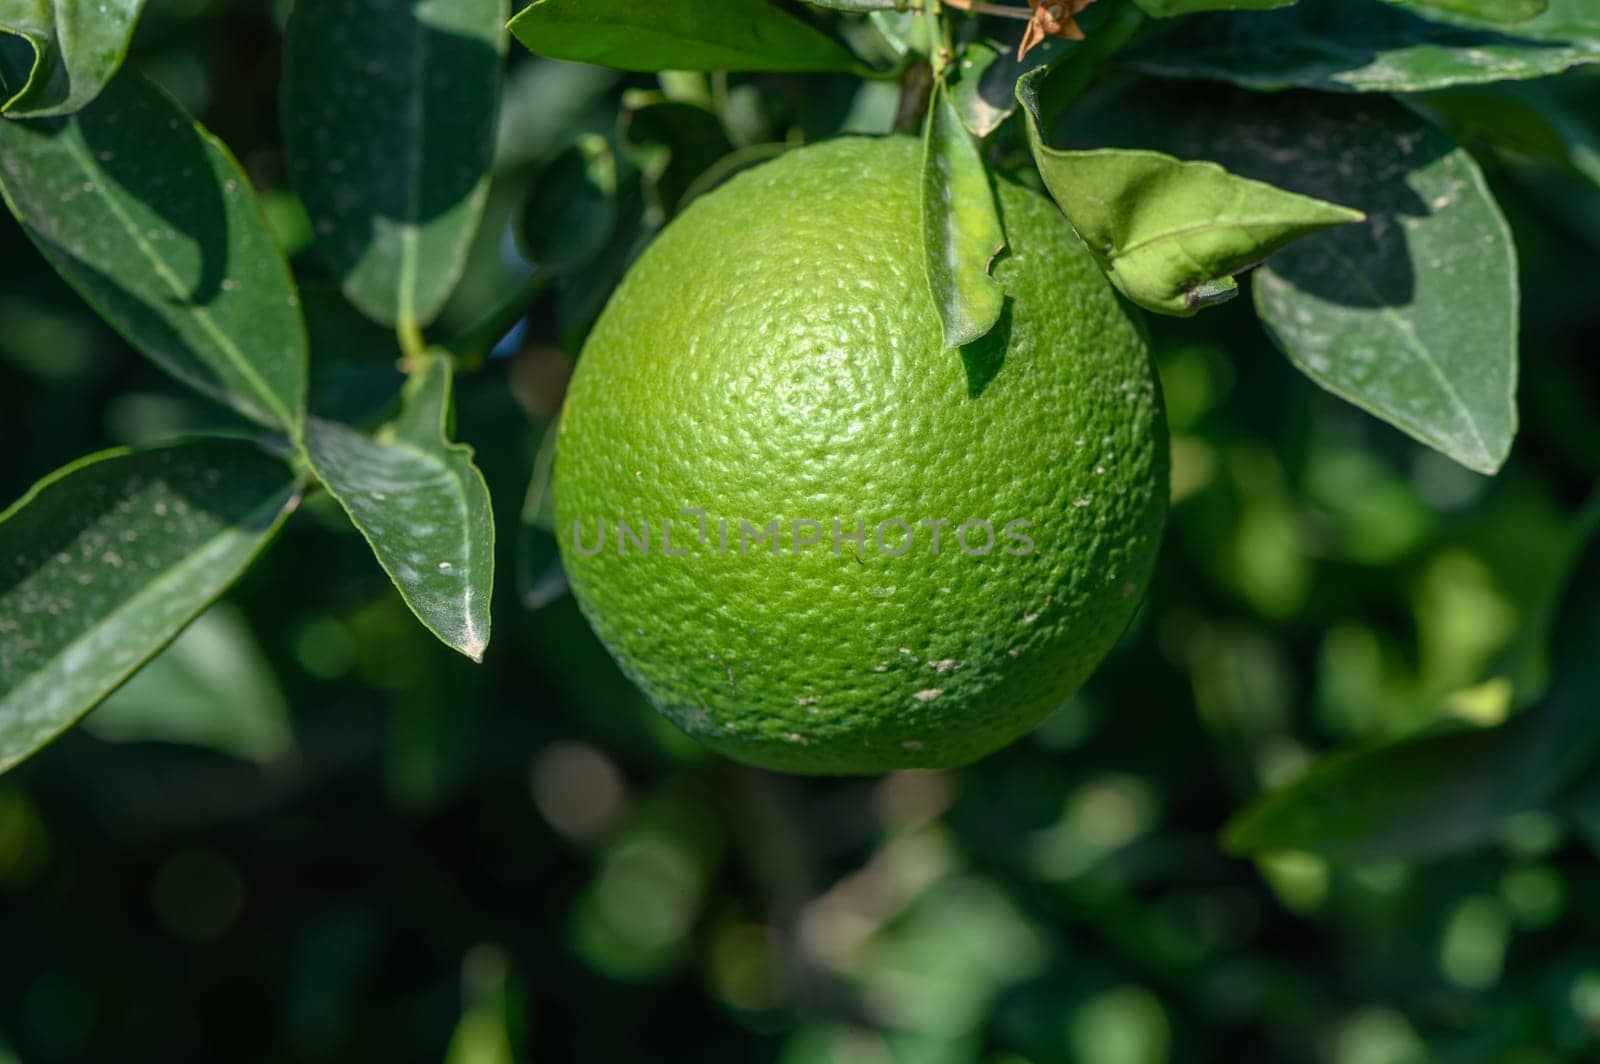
<point x="776" y="356"/>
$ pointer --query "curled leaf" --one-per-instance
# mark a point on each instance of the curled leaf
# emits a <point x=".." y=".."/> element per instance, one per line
<point x="961" y="228"/>
<point x="1170" y="233"/>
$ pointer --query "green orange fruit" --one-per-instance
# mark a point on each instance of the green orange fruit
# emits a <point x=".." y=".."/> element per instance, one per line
<point x="764" y="436"/>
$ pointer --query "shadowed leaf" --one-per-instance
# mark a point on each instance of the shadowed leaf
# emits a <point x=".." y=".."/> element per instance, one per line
<point x="1441" y="792"/>
<point x="1411" y="314"/>
<point x="150" y="218"/>
<point x="1170" y="234"/>
<point x="211" y="688"/>
<point x="105" y="561"/>
<point x="73" y="50"/>
<point x="389" y="118"/>
<point x="1370" y="46"/>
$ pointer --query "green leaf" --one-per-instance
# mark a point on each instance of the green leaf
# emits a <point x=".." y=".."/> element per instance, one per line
<point x="212" y="688"/>
<point x="984" y="81"/>
<point x="1173" y="8"/>
<point x="570" y="210"/>
<point x="1525" y="119"/>
<point x="540" y="576"/>
<point x="1503" y="11"/>
<point x="1170" y="233"/>
<point x="862" y="5"/>
<point x="1445" y="791"/>
<point x="960" y="227"/>
<point x="389" y="113"/>
<point x="1370" y="46"/>
<point x="422" y="506"/>
<point x="1411" y="315"/>
<point x="672" y="142"/>
<point x="1414" y="316"/>
<point x="105" y="561"/>
<point x="73" y="49"/>
<point x="150" y="218"/>
<point x="677" y="35"/>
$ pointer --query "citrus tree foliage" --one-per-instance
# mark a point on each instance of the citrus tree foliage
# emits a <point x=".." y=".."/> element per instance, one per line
<point x="405" y="208"/>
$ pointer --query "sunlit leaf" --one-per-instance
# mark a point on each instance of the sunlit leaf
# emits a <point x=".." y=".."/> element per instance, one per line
<point x="1369" y="46"/>
<point x="960" y="227"/>
<point x="1445" y="791"/>
<point x="677" y="35"/>
<point x="150" y="218"/>
<point x="422" y="506"/>
<point x="73" y="49"/>
<point x="105" y="561"/>
<point x="1505" y="11"/>
<point x="389" y="118"/>
<point x="1410" y="315"/>
<point x="1169" y="233"/>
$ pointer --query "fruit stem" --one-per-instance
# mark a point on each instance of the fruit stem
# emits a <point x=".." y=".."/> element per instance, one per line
<point x="916" y="89"/>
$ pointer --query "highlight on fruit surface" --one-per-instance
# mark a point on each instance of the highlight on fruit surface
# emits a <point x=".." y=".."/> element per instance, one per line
<point x="817" y="540"/>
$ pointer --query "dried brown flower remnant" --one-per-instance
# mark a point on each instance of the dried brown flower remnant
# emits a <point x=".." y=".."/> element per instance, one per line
<point x="1051" y="18"/>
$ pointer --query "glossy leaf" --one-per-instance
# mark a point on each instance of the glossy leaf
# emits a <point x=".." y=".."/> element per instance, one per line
<point x="105" y="561"/>
<point x="1441" y="792"/>
<point x="1172" y="8"/>
<point x="212" y="688"/>
<point x="677" y="35"/>
<point x="961" y="228"/>
<point x="73" y="50"/>
<point x="1370" y="46"/>
<point x="151" y="219"/>
<point x="1170" y="234"/>
<point x="422" y="506"/>
<point x="1411" y="315"/>
<point x="1503" y="11"/>
<point x="389" y="116"/>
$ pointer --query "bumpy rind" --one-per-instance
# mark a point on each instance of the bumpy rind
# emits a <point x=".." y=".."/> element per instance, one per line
<point x="776" y="354"/>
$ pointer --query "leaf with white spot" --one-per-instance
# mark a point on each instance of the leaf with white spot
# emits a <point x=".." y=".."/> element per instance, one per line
<point x="389" y="113"/>
<point x="1371" y="46"/>
<point x="73" y="49"/>
<point x="105" y="561"/>
<point x="1410" y="315"/>
<point x="151" y="219"/>
<point x="1170" y="233"/>
<point x="422" y="506"/>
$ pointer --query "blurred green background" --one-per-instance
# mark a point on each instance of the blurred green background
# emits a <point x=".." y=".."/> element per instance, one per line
<point x="309" y="832"/>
